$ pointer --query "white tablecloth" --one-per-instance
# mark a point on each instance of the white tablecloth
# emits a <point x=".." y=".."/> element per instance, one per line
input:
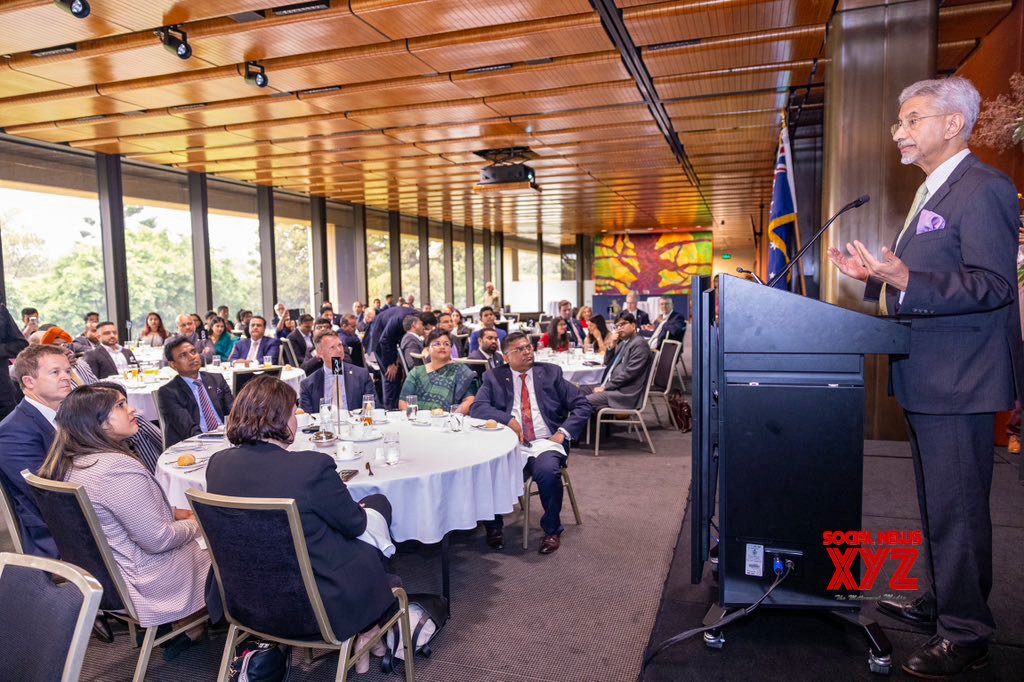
<point x="574" y="367"/>
<point x="445" y="481"/>
<point x="140" y="394"/>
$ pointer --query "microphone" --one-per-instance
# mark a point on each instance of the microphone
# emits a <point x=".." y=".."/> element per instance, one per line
<point x="744" y="271"/>
<point x="856" y="203"/>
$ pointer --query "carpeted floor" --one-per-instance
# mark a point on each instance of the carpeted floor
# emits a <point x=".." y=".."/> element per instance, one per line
<point x="583" y="613"/>
<point x="809" y="646"/>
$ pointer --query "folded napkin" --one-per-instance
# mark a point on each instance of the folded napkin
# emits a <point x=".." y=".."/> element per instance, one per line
<point x="377" y="532"/>
<point x="539" y="446"/>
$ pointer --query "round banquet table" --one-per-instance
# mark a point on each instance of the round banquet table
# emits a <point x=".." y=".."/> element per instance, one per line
<point x="574" y="367"/>
<point x="140" y="393"/>
<point x="444" y="481"/>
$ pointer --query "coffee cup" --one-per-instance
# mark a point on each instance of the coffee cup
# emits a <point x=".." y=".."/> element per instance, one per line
<point x="379" y="415"/>
<point x="302" y="419"/>
<point x="345" y="450"/>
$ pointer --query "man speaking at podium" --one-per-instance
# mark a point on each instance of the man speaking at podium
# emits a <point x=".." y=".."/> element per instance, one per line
<point x="950" y="273"/>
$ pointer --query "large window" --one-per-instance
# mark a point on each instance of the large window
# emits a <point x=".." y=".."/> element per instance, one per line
<point x="478" y="266"/>
<point x="50" y="226"/>
<point x="158" y="246"/>
<point x="435" y="256"/>
<point x="235" y="247"/>
<point x="559" y="275"/>
<point x="378" y="255"/>
<point x="293" y="248"/>
<point x="410" y="265"/>
<point x="521" y="267"/>
<point x="459" y="266"/>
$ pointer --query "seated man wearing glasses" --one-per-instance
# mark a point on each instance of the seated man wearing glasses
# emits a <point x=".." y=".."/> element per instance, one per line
<point x="626" y="363"/>
<point x="546" y="412"/>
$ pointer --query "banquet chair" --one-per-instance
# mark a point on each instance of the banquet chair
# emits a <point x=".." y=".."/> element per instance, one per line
<point x="240" y="377"/>
<point x="478" y="366"/>
<point x="664" y="373"/>
<point x="463" y="341"/>
<point x="635" y="416"/>
<point x="160" y="419"/>
<point x="69" y="514"/>
<point x="49" y="609"/>
<point x="524" y="501"/>
<point x="286" y="355"/>
<point x="281" y="603"/>
<point x="10" y="518"/>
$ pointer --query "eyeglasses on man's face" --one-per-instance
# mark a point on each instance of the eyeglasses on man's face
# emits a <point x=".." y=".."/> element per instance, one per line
<point x="525" y="348"/>
<point x="911" y="123"/>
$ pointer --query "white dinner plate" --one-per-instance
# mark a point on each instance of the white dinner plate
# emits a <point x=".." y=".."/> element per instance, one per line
<point x="372" y="435"/>
<point x="484" y="427"/>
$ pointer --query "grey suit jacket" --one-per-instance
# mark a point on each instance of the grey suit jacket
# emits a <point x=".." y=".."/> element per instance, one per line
<point x="409" y="345"/>
<point x="626" y="380"/>
<point x="961" y="300"/>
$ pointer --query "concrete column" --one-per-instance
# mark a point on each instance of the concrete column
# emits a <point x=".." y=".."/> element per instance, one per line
<point x="874" y="51"/>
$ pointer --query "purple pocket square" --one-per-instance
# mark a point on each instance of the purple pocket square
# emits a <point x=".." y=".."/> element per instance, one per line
<point x="929" y="222"/>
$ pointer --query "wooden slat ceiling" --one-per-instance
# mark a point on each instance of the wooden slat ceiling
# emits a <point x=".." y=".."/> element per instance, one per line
<point x="384" y="102"/>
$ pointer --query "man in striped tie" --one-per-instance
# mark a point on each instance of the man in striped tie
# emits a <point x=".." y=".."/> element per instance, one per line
<point x="193" y="402"/>
<point x="547" y="413"/>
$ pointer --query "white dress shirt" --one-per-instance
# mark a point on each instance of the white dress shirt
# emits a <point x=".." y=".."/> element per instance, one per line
<point x="254" y="349"/>
<point x="51" y="415"/>
<point x="540" y="427"/>
<point x="342" y="401"/>
<point x="120" y="361"/>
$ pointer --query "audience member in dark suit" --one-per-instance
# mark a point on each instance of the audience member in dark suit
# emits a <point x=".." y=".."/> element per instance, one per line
<point x="369" y="317"/>
<point x="353" y="346"/>
<point x="193" y="402"/>
<point x="302" y="339"/>
<point x="670" y="325"/>
<point x="258" y="345"/>
<point x="197" y="336"/>
<point x="487" y="321"/>
<point x="488" y="349"/>
<point x="626" y="364"/>
<point x="89" y="339"/>
<point x="411" y="345"/>
<point x="577" y="334"/>
<point x="350" y="572"/>
<point x="12" y="342"/>
<point x="110" y="358"/>
<point x="387" y="331"/>
<point x="640" y="315"/>
<point x="536" y="402"/>
<point x="950" y="274"/>
<point x="27" y="433"/>
<point x="356" y="381"/>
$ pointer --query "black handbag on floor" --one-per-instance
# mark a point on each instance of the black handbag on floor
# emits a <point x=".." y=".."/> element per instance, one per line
<point x="259" y="661"/>
<point x="427" y="615"/>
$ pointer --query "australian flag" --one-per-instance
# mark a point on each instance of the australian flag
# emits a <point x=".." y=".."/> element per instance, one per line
<point x="782" y="221"/>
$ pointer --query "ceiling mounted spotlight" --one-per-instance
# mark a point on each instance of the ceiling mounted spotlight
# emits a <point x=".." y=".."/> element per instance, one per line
<point x="77" y="8"/>
<point x="256" y="74"/>
<point x="176" y="41"/>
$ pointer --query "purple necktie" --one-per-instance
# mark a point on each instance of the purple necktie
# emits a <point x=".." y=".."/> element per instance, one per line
<point x="210" y="414"/>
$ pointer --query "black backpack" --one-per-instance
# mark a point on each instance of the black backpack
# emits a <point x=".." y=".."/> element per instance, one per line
<point x="428" y="613"/>
<point x="259" y="661"/>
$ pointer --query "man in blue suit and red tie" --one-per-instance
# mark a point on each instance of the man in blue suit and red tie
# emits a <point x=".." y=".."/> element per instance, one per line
<point x="951" y="276"/>
<point x="546" y="412"/>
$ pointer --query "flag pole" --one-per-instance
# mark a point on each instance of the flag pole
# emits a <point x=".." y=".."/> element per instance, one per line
<point x="792" y="190"/>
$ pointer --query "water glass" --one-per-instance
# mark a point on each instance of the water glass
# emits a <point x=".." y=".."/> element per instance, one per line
<point x="392" y="448"/>
<point x="328" y="413"/>
<point x="412" y="407"/>
<point x="267" y="361"/>
<point x="369" y="404"/>
<point x="216" y="361"/>
<point x="455" y="419"/>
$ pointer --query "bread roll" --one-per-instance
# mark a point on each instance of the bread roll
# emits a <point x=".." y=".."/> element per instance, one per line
<point x="437" y="412"/>
<point x="188" y="459"/>
<point x="490" y="424"/>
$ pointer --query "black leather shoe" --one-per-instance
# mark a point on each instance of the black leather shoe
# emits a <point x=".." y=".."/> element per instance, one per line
<point x="921" y="611"/>
<point x="495" y="538"/>
<point x="938" y="658"/>
<point x="101" y="630"/>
